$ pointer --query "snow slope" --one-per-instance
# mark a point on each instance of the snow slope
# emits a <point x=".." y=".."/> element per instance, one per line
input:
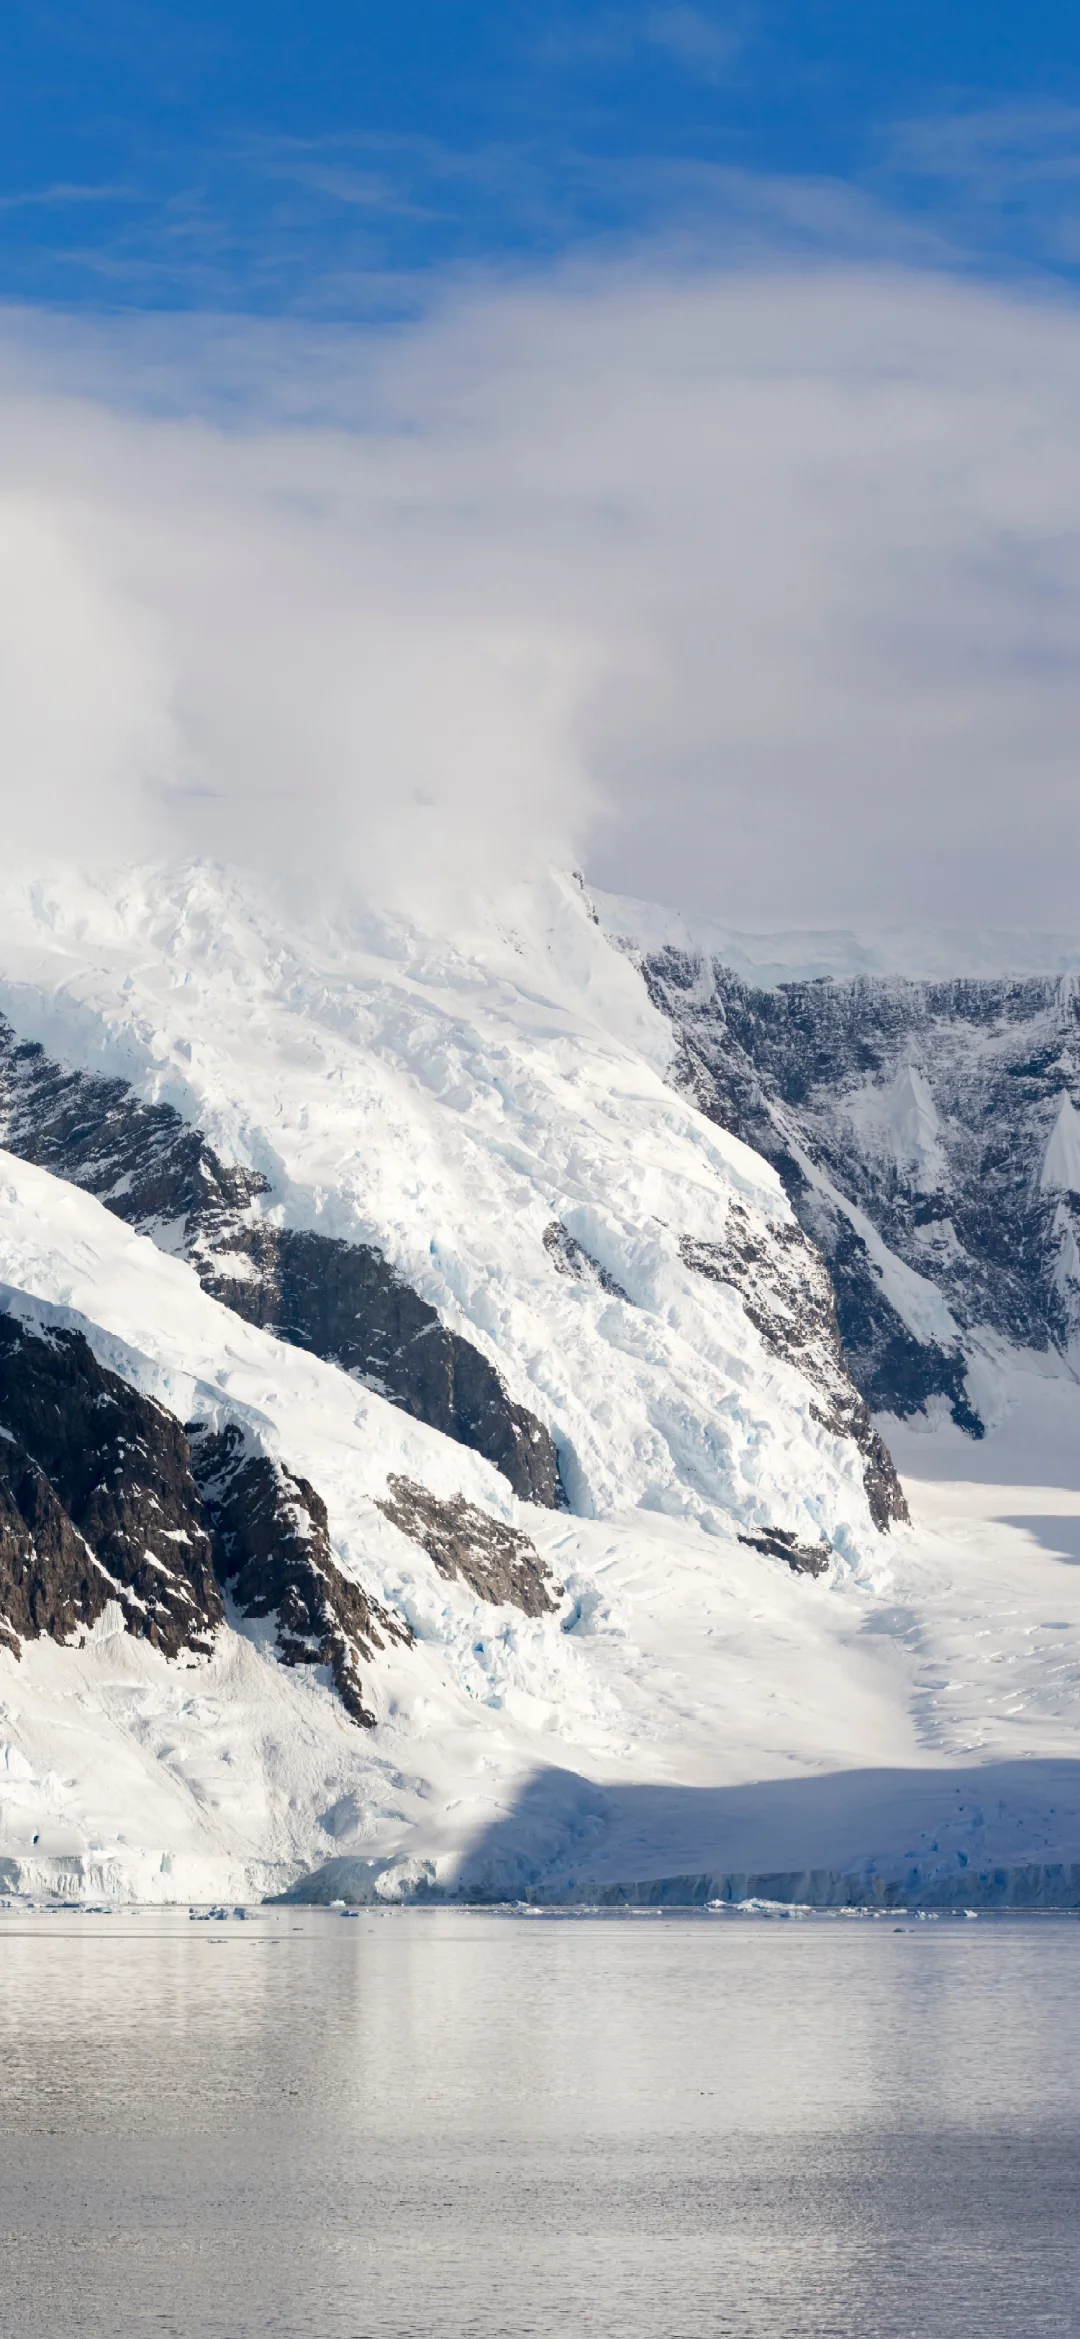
<point x="448" y="1102"/>
<point x="692" y="1705"/>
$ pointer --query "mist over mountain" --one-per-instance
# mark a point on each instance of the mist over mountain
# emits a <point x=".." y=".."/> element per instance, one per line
<point x="746" y="590"/>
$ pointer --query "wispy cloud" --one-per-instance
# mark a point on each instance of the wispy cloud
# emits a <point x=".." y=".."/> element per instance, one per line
<point x="702" y="43"/>
<point x="993" y="149"/>
<point x="363" y="190"/>
<point x="62" y="193"/>
<point x="1003" y="179"/>
<point x="344" y="170"/>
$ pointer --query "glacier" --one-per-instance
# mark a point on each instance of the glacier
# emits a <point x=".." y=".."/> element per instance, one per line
<point x="719" y="1647"/>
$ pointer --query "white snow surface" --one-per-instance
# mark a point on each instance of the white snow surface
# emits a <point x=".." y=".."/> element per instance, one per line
<point x="898" y="1120"/>
<point x="692" y="1706"/>
<point x="1060" y="1172"/>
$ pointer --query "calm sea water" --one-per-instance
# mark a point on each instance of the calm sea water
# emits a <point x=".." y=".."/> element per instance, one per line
<point x="444" y="2124"/>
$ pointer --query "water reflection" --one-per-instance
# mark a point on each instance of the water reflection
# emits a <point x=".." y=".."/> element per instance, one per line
<point x="468" y="2124"/>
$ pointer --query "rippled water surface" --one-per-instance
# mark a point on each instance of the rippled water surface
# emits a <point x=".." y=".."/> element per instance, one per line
<point x="440" y="2124"/>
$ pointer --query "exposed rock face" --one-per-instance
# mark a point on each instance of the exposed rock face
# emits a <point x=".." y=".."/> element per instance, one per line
<point x="784" y="1287"/>
<point x="272" y="1550"/>
<point x="341" y="1300"/>
<point x="896" y="1370"/>
<point x="144" y="1162"/>
<point x="103" y="1497"/>
<point x="942" y="1112"/>
<point x="496" y="1561"/>
<point x="804" y="1559"/>
<point x="97" y="1502"/>
<point x="569" y="1257"/>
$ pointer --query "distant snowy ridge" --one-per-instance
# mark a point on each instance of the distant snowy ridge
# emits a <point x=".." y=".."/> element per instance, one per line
<point x="806" y="954"/>
<point x="926" y="1132"/>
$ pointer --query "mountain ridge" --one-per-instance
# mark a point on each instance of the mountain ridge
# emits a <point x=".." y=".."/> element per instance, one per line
<point x="938" y="1115"/>
<point x="503" y="1115"/>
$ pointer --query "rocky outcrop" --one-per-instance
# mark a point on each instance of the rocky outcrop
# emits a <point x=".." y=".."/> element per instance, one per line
<point x="570" y="1258"/>
<point x="497" y="1562"/>
<point x="941" y="1112"/>
<point x="785" y="1291"/>
<point x="896" y="1371"/>
<point x="804" y="1559"/>
<point x="105" y="1496"/>
<point x="143" y="1161"/>
<point x="97" y="1502"/>
<point x="272" y="1551"/>
<point x="343" y="1301"/>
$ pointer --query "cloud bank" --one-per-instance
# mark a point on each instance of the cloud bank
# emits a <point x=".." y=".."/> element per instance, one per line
<point x="757" y="592"/>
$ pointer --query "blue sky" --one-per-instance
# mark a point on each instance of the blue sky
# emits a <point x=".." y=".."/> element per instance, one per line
<point x="324" y="158"/>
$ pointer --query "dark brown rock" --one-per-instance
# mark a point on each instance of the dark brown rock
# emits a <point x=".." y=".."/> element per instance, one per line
<point x="273" y="1552"/>
<point x="804" y="1559"/>
<point x="97" y="1501"/>
<point x="343" y="1302"/>
<point x="104" y="1496"/>
<point x="497" y="1562"/>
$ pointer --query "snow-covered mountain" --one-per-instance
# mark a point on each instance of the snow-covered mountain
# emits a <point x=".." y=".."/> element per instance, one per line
<point x="432" y="1453"/>
<point x="927" y="1135"/>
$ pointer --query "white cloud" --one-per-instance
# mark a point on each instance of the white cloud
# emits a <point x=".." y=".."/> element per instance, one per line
<point x="697" y="41"/>
<point x="761" y="591"/>
<point x="694" y="40"/>
<point x="992" y="150"/>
